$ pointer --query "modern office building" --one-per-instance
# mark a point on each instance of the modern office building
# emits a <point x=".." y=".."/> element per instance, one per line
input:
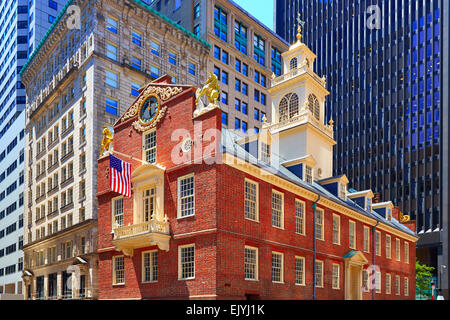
<point x="244" y="55"/>
<point x="258" y="217"/>
<point x="387" y="66"/>
<point x="22" y="25"/>
<point x="77" y="81"/>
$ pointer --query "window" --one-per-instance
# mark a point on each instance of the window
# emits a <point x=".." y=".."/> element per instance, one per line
<point x="237" y="124"/>
<point x="277" y="209"/>
<point x="136" y="37"/>
<point x="196" y="30"/>
<point x="250" y="263"/>
<point x="52" y="4"/>
<point x="224" y="97"/>
<point x="308" y="174"/>
<point x="224" y="57"/>
<point x="276" y="61"/>
<point x="225" y="77"/>
<point x="220" y="23"/>
<point x="111" y="51"/>
<point x="150" y="266"/>
<point x="51" y="18"/>
<point x="406" y="252"/>
<point x="172" y="57"/>
<point x="293" y="64"/>
<point x="237" y="65"/>
<point x="192" y="67"/>
<point x="378" y="243"/>
<point x="352" y="235"/>
<point x="251" y="200"/>
<point x="397" y="285"/>
<point x="397" y="249"/>
<point x="225" y="119"/>
<point x="388" y="247"/>
<point x="112" y="24"/>
<point x="155" y="48"/>
<point x="135" y="89"/>
<point x="313" y="106"/>
<point x="336" y="276"/>
<point x="240" y="37"/>
<point x="366" y="239"/>
<point x="299" y="217"/>
<point x="186" y="258"/>
<point x="245" y="88"/>
<point x="177" y="5"/>
<point x="112" y="79"/>
<point x="154" y="71"/>
<point x="388" y="283"/>
<point x="319" y="224"/>
<point x="149" y="199"/>
<point x="111" y="105"/>
<point x="197" y="11"/>
<point x="406" y="286"/>
<point x="150" y="147"/>
<point x="336" y="229"/>
<point x="265" y="152"/>
<point x="277" y="267"/>
<point x="117" y="213"/>
<point x="319" y="274"/>
<point x="300" y="271"/>
<point x="136" y="63"/>
<point x="186" y="196"/>
<point x="119" y="270"/>
<point x="378" y="282"/>
<point x="259" y="47"/>
<point x="244" y="126"/>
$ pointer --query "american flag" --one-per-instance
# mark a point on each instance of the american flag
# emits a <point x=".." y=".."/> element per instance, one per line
<point x="120" y="176"/>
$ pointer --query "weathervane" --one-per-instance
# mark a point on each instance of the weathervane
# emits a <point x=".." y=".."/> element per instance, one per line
<point x="299" y="28"/>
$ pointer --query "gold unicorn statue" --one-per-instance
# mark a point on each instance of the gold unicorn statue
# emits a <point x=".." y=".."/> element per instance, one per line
<point x="106" y="141"/>
<point x="211" y="90"/>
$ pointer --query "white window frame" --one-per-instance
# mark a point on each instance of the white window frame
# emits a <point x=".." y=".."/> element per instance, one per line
<point x="303" y="272"/>
<point x="322" y="226"/>
<point x="338" y="287"/>
<point x="256" y="184"/>
<point x="113" y="211"/>
<point x="365" y="280"/>
<point x="321" y="263"/>
<point x="338" y="230"/>
<point x="406" y="252"/>
<point x="388" y="283"/>
<point x="397" y="285"/>
<point x="300" y="217"/>
<point x="378" y="243"/>
<point x="151" y="262"/>
<point x="366" y="234"/>
<point x="179" y="215"/>
<point x="406" y="286"/>
<point x="352" y="245"/>
<point x="114" y="273"/>
<point x="180" y="267"/>
<point x="256" y="263"/>
<point x="280" y="254"/>
<point x="388" y="248"/>
<point x="397" y="249"/>
<point x="155" y="147"/>
<point x="378" y="282"/>
<point x="281" y="211"/>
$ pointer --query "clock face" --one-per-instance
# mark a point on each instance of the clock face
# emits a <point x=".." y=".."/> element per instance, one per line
<point x="149" y="109"/>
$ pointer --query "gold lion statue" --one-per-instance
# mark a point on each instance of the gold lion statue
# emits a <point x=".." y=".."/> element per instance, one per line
<point x="211" y="90"/>
<point x="106" y="141"/>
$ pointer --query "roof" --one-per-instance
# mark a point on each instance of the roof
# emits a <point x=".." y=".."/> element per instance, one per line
<point x="138" y="2"/>
<point x="230" y="145"/>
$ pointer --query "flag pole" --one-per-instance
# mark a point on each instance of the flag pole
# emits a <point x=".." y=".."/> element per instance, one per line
<point x="128" y="156"/>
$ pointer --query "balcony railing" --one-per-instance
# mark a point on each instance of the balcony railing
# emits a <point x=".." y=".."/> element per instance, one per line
<point x="154" y="232"/>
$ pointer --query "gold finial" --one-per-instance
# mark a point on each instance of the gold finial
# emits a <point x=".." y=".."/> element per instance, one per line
<point x="299" y="28"/>
<point x="331" y="122"/>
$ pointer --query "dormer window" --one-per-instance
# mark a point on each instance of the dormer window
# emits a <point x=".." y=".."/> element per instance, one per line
<point x="368" y="204"/>
<point x="308" y="174"/>
<point x="342" y="191"/>
<point x="314" y="106"/>
<point x="293" y="64"/>
<point x="288" y="107"/>
<point x="389" y="214"/>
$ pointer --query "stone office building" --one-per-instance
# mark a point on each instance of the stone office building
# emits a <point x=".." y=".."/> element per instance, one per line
<point x="86" y="71"/>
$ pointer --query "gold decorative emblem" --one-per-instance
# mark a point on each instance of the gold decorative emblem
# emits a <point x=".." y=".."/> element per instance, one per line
<point x="106" y="141"/>
<point x="404" y="218"/>
<point x="212" y="92"/>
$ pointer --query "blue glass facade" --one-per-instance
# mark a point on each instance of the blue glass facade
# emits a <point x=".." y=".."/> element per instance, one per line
<point x="384" y="66"/>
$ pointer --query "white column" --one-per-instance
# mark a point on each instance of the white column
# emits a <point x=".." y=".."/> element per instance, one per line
<point x="59" y="287"/>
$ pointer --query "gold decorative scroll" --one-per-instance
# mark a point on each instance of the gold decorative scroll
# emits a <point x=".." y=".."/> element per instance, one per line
<point x="164" y="93"/>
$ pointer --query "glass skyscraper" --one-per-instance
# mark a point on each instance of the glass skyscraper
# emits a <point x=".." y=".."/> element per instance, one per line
<point x="23" y="23"/>
<point x="387" y="69"/>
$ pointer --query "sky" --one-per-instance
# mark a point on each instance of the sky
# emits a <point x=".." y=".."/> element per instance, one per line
<point x="260" y="9"/>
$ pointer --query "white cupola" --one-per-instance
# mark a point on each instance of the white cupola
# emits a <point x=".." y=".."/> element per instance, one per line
<point x="298" y="112"/>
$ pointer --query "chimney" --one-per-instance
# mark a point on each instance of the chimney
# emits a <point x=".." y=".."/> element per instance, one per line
<point x="376" y="198"/>
<point x="396" y="213"/>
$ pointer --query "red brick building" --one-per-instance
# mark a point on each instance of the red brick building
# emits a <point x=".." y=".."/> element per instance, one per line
<point x="214" y="215"/>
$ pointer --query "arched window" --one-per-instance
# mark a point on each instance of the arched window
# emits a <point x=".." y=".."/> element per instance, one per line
<point x="288" y="107"/>
<point x="293" y="64"/>
<point x="314" y="106"/>
<point x="284" y="108"/>
<point x="293" y="106"/>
